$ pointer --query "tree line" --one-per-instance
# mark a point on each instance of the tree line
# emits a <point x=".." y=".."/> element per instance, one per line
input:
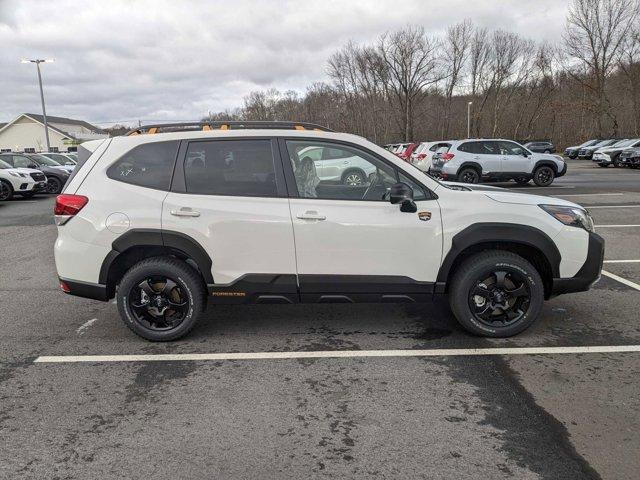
<point x="409" y="85"/>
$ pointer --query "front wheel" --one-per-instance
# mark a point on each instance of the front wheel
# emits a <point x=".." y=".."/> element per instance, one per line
<point x="54" y="185"/>
<point x="496" y="294"/>
<point x="543" y="176"/>
<point x="469" y="175"/>
<point x="6" y="191"/>
<point x="161" y="298"/>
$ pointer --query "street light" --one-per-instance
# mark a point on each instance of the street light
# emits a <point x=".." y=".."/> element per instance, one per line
<point x="38" y="61"/>
<point x="469" y="119"/>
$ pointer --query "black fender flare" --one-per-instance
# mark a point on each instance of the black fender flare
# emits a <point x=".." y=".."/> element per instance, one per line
<point x="475" y="165"/>
<point x="548" y="163"/>
<point x="500" y="232"/>
<point x="158" y="238"/>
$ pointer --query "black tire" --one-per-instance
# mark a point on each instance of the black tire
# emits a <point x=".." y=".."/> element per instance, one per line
<point x="603" y="165"/>
<point x="6" y="191"/>
<point x="54" y="185"/>
<point x="547" y="151"/>
<point x="189" y="287"/>
<point x="471" y="275"/>
<point x="522" y="180"/>
<point x="543" y="176"/>
<point x="354" y="177"/>
<point x="469" y="175"/>
<point x="616" y="161"/>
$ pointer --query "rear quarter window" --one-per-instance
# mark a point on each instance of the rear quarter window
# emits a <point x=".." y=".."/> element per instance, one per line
<point x="149" y="165"/>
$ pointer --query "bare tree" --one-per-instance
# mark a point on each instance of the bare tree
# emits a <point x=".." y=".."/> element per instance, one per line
<point x="455" y="54"/>
<point x="629" y="63"/>
<point x="594" y="35"/>
<point x="410" y="67"/>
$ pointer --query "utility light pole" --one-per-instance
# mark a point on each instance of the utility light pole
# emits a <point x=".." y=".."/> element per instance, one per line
<point x="469" y="119"/>
<point x="38" y="61"/>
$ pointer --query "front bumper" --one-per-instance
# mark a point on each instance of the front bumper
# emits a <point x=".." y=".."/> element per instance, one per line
<point x="588" y="274"/>
<point x="563" y="170"/>
<point x="601" y="158"/>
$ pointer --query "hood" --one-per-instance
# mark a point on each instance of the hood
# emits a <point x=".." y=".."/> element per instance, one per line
<point x="472" y="186"/>
<point x="547" y="156"/>
<point x="527" y="199"/>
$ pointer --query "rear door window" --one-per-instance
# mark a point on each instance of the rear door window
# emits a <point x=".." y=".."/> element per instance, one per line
<point x="148" y="165"/>
<point x="231" y="167"/>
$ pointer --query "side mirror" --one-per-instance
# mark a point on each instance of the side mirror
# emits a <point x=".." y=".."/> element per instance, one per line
<point x="403" y="194"/>
<point x="33" y="165"/>
<point x="524" y="153"/>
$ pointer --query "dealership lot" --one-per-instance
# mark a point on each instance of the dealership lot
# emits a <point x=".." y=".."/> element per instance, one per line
<point x="550" y="415"/>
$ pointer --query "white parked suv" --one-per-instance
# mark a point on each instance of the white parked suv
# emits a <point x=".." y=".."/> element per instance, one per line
<point x="168" y="221"/>
<point x="20" y="181"/>
<point x="475" y="160"/>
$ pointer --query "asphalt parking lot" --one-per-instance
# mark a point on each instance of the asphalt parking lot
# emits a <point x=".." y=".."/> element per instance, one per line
<point x="550" y="415"/>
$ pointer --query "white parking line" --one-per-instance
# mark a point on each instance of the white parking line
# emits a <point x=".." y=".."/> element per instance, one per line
<point x="81" y="329"/>
<point x="628" y="283"/>
<point x="622" y="261"/>
<point x="610" y="206"/>
<point x="616" y="226"/>
<point x="588" y="195"/>
<point x="454" y="352"/>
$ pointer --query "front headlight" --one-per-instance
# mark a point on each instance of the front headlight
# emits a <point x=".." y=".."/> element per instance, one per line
<point x="572" y="216"/>
<point x="17" y="174"/>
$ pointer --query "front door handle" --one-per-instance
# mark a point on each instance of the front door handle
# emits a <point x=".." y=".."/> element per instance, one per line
<point x="311" y="215"/>
<point x="185" y="212"/>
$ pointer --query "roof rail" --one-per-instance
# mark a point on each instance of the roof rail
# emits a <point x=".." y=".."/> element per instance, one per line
<point x="224" y="125"/>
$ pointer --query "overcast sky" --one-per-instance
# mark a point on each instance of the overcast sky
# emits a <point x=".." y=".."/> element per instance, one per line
<point x="176" y="60"/>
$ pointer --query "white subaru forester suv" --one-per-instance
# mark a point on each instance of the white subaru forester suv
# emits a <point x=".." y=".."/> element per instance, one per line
<point x="170" y="218"/>
<point x="476" y="160"/>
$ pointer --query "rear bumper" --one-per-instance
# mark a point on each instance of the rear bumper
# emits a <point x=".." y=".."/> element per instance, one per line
<point x="94" y="291"/>
<point x="588" y="274"/>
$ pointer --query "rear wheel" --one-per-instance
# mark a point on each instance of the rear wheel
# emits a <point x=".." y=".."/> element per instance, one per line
<point x="496" y="294"/>
<point x="161" y="298"/>
<point x="469" y="175"/>
<point x="543" y="176"/>
<point x="6" y="190"/>
<point x="354" y="178"/>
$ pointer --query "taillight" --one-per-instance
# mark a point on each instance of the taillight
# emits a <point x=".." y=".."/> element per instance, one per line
<point x="67" y="206"/>
<point x="421" y="156"/>
<point x="447" y="156"/>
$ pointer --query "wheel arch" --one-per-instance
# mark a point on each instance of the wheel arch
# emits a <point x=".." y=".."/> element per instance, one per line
<point x="474" y="165"/>
<point x="546" y="163"/>
<point x="138" y="244"/>
<point x="530" y="243"/>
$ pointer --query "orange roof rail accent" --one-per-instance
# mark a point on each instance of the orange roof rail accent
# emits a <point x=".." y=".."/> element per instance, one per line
<point x="153" y="130"/>
<point x="224" y="126"/>
<point x="206" y="127"/>
<point x="299" y="127"/>
<point x="137" y="132"/>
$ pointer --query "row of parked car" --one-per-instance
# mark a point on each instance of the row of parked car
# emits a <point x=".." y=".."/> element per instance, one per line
<point x="478" y="159"/>
<point x="26" y="174"/>
<point x="613" y="151"/>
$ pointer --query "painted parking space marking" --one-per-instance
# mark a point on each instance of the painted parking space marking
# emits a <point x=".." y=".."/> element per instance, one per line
<point x="588" y="194"/>
<point x="82" y="328"/>
<point x="624" y="281"/>
<point x="622" y="261"/>
<point x="617" y="226"/>
<point x="611" y="206"/>
<point x="454" y="352"/>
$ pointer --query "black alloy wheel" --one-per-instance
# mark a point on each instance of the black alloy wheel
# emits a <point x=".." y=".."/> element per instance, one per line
<point x="469" y="175"/>
<point x="158" y="303"/>
<point x="54" y="185"/>
<point x="500" y="299"/>
<point x="543" y="176"/>
<point x="6" y="192"/>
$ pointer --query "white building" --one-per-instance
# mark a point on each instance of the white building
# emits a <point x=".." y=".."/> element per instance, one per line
<point x="26" y="133"/>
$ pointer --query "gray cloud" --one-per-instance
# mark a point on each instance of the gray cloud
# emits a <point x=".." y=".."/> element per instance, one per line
<point x="175" y="60"/>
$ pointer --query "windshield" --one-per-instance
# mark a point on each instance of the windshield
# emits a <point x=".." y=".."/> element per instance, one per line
<point x="42" y="160"/>
<point x="624" y="143"/>
<point x="589" y="143"/>
<point x="4" y="165"/>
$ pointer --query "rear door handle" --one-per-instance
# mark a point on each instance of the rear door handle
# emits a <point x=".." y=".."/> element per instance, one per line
<point x="311" y="215"/>
<point x="185" y="212"/>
